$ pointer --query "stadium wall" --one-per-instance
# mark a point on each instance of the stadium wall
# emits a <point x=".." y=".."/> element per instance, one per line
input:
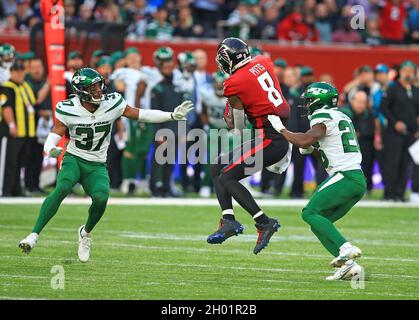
<point x="338" y="60"/>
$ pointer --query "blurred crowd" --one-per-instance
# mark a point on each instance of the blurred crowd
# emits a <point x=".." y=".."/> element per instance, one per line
<point x="382" y="101"/>
<point x="379" y="21"/>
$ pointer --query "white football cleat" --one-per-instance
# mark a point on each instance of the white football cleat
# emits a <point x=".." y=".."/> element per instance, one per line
<point x="349" y="269"/>
<point x="84" y="246"/>
<point x="28" y="243"/>
<point x="347" y="252"/>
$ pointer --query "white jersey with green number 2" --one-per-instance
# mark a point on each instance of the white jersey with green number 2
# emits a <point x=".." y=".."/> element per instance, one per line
<point x="90" y="131"/>
<point x="339" y="148"/>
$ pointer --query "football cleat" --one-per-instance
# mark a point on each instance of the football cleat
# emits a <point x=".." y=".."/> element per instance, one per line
<point x="28" y="243"/>
<point x="84" y="246"/>
<point x="265" y="232"/>
<point x="345" y="254"/>
<point x="347" y="271"/>
<point x="226" y="229"/>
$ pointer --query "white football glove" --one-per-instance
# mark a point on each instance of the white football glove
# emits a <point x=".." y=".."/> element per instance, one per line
<point x="305" y="151"/>
<point x="55" y="152"/>
<point x="182" y="110"/>
<point x="276" y="122"/>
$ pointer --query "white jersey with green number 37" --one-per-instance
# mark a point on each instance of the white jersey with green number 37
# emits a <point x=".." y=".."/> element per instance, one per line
<point x="339" y="148"/>
<point x="90" y="131"/>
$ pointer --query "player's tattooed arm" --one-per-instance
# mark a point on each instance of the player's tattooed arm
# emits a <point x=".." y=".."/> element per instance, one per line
<point x="238" y="112"/>
<point x="305" y="140"/>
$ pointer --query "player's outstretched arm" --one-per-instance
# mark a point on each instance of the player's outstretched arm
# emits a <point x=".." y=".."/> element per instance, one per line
<point x="157" y="116"/>
<point x="302" y="140"/>
<point x="50" y="146"/>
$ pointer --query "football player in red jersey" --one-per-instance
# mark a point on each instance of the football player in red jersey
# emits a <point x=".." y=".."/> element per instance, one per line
<point x="252" y="90"/>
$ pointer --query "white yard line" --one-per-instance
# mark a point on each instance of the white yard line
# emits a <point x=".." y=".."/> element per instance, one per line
<point x="201" y="202"/>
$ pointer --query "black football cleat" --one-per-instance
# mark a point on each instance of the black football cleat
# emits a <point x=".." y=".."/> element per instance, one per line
<point x="265" y="232"/>
<point x="226" y="229"/>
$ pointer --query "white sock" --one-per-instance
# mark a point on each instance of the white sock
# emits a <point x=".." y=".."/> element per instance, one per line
<point x="258" y="214"/>
<point x="345" y="245"/>
<point x="228" y="211"/>
<point x="84" y="233"/>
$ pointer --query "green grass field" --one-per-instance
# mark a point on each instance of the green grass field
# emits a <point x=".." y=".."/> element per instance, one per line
<point x="160" y="252"/>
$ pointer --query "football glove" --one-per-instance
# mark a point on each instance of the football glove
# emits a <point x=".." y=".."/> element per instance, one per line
<point x="55" y="152"/>
<point x="182" y="110"/>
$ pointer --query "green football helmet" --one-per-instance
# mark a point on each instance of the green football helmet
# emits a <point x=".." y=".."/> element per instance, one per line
<point x="82" y="80"/>
<point x="162" y="54"/>
<point x="7" y="55"/>
<point x="187" y="61"/>
<point x="320" y="95"/>
<point x="219" y="78"/>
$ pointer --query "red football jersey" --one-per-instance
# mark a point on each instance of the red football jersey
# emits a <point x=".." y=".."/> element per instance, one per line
<point x="258" y="88"/>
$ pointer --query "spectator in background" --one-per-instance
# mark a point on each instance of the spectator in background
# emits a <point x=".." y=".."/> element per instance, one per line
<point x="363" y="80"/>
<point x="9" y="7"/>
<point x="345" y="33"/>
<point x="166" y="96"/>
<point x="269" y="22"/>
<point x="362" y="118"/>
<point x="70" y="10"/>
<point x="19" y="114"/>
<point x="206" y="12"/>
<point x="137" y="13"/>
<point x="326" y="77"/>
<point x="413" y="22"/>
<point x="371" y="35"/>
<point x="9" y="25"/>
<point x="243" y="21"/>
<point x="185" y="26"/>
<point x="400" y="106"/>
<point x="323" y="23"/>
<point x="159" y="28"/>
<point x="74" y="62"/>
<point x="43" y="117"/>
<point x="24" y="14"/>
<point x="381" y="84"/>
<point x="96" y="55"/>
<point x="202" y="76"/>
<point x="86" y="12"/>
<point x="295" y="28"/>
<point x="392" y="21"/>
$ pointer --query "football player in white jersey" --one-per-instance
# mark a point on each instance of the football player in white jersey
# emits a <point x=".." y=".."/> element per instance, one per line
<point x="7" y="56"/>
<point x="88" y="117"/>
<point x="332" y="134"/>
